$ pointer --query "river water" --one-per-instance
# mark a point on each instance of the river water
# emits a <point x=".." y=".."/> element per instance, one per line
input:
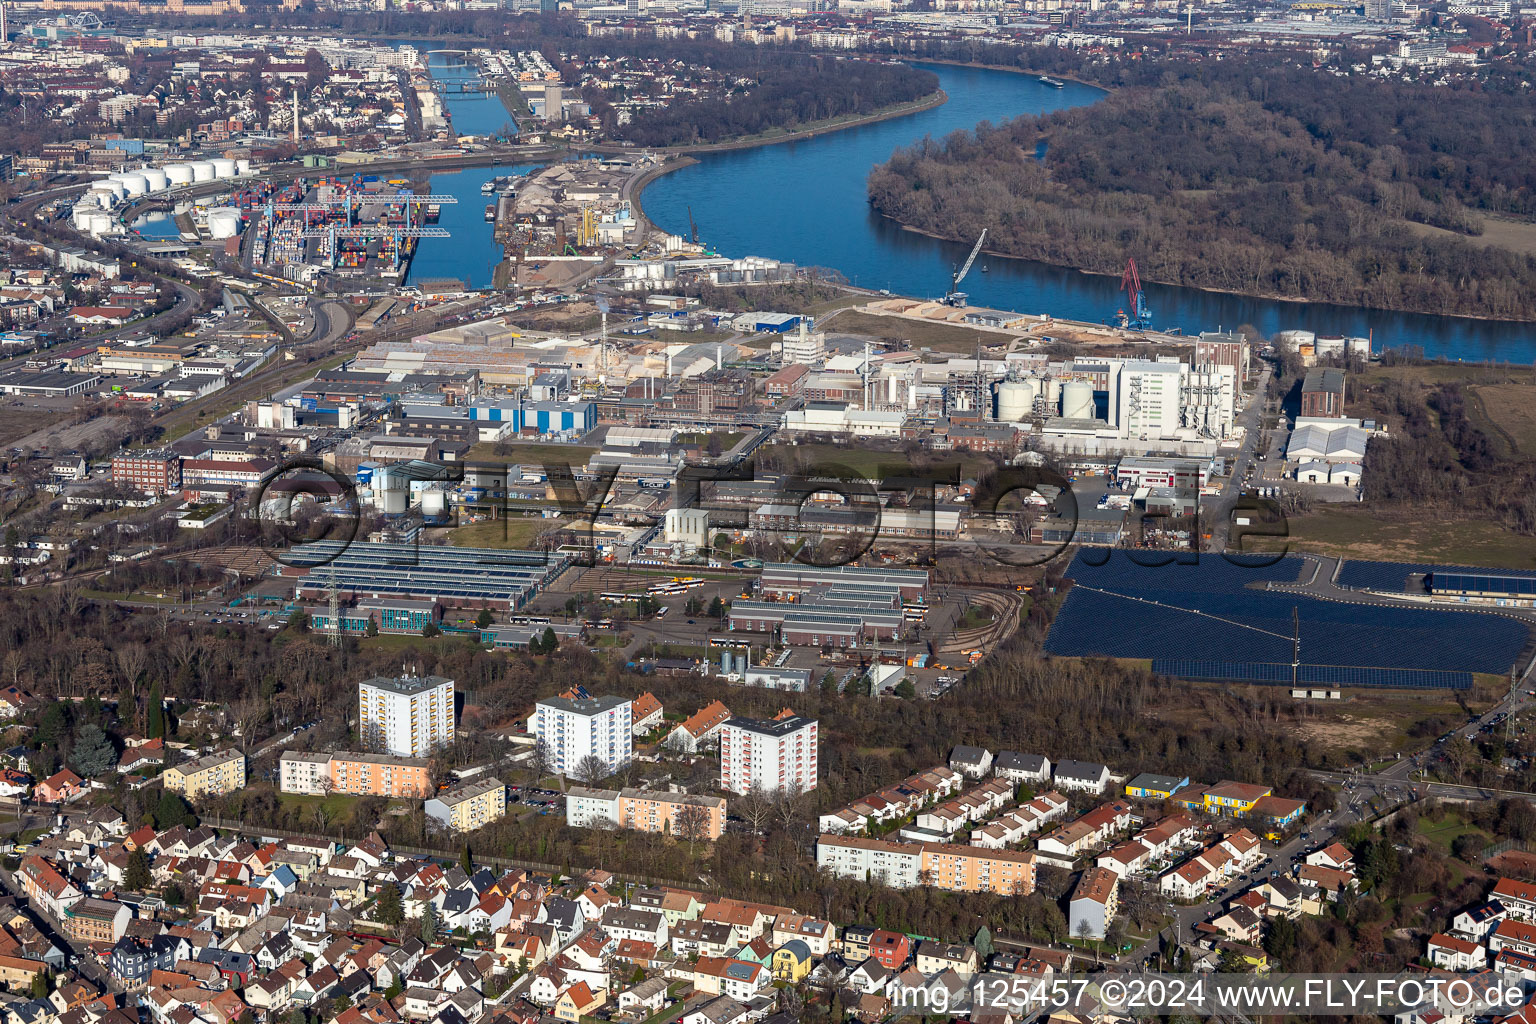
<point x="805" y="202"/>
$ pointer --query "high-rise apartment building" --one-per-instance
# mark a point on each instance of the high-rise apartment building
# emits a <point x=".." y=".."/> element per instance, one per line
<point x="408" y="716"/>
<point x="771" y="756"/>
<point x="575" y="728"/>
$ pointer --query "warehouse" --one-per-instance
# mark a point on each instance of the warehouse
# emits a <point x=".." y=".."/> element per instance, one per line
<point x="455" y="577"/>
<point x="791" y="579"/>
<point x="816" y="625"/>
<point x="48" y="383"/>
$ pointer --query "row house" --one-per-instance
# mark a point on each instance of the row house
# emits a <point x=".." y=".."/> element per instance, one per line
<point x="1020" y="822"/>
<point x="894" y="802"/>
<point x="1092" y="830"/>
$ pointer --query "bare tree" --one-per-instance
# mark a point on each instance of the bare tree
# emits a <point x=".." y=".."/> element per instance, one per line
<point x="539" y="762"/>
<point x="591" y="770"/>
<point x="691" y="823"/>
<point x="247" y="714"/>
<point x="789" y="805"/>
<point x="756" y="809"/>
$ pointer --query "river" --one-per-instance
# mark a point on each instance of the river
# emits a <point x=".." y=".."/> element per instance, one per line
<point x="805" y="202"/>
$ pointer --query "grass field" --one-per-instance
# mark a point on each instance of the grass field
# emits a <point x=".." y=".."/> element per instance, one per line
<point x="941" y="337"/>
<point x="1510" y="412"/>
<point x="336" y="805"/>
<point x="1516" y="236"/>
<point x="1441" y="834"/>
<point x="869" y="462"/>
<point x="1354" y="531"/>
<point x="18" y="423"/>
<point x="512" y="532"/>
<point x="532" y="452"/>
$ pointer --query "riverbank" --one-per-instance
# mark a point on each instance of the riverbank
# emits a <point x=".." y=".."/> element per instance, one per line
<point x="1300" y="300"/>
<point x="1060" y="76"/>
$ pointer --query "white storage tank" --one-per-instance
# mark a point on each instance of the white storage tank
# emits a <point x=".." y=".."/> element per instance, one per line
<point x="223" y="168"/>
<point x="202" y="170"/>
<point x="178" y="175"/>
<point x="1077" y="400"/>
<point x="242" y="166"/>
<point x="1050" y="387"/>
<point x="135" y="184"/>
<point x="1290" y="341"/>
<point x="155" y="178"/>
<point x="434" y="503"/>
<point x="1016" y="399"/>
<point x="223" y="222"/>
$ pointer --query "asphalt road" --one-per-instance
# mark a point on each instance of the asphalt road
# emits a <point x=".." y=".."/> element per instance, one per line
<point x="80" y="957"/>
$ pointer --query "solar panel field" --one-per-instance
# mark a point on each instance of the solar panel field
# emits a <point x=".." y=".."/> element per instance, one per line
<point x="1203" y="621"/>
<point x="1391" y="577"/>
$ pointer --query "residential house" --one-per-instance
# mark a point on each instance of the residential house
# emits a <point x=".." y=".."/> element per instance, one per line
<point x="1081" y="776"/>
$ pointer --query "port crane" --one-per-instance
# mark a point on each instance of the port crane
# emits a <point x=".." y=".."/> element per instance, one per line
<point x="332" y="233"/>
<point x="956" y="297"/>
<point x="693" y="228"/>
<point x="1140" y="317"/>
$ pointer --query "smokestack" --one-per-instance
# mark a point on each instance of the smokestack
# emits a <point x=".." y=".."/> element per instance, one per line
<point x="719" y="357"/>
<point x="295" y="114"/>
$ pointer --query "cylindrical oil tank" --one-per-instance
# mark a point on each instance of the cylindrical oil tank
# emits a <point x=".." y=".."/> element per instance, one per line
<point x="1291" y="340"/>
<point x="1077" y="400"/>
<point x="223" y="168"/>
<point x="135" y="184"/>
<point x="110" y="185"/>
<point x="1015" y="400"/>
<point x="223" y="222"/>
<point x="434" y="503"/>
<point x="178" y="175"/>
<point x="202" y="170"/>
<point x="155" y="178"/>
<point x="242" y="166"/>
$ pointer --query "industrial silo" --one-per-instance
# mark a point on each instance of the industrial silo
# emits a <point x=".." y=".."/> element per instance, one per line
<point x="1077" y="400"/>
<point x="178" y="175"/>
<point x="223" y="222"/>
<point x="1016" y="399"/>
<point x="223" y="168"/>
<point x="155" y="178"/>
<point x="242" y="166"/>
<point x="434" y="503"/>
<point x="202" y="170"/>
<point x="1050" y="390"/>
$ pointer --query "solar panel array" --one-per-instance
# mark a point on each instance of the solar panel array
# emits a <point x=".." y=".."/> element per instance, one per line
<point x="1393" y="576"/>
<point x="1208" y="612"/>
<point x="1272" y="674"/>
<point x="428" y="572"/>
<point x="1448" y="582"/>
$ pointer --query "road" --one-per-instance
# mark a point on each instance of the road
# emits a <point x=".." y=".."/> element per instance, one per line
<point x="79" y="957"/>
<point x="1217" y="513"/>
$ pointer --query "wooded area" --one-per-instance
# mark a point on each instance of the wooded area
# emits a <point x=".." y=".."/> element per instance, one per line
<point x="1259" y="179"/>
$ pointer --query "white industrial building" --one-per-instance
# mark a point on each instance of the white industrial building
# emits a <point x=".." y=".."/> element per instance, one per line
<point x="408" y="716"/>
<point x="1327" y="441"/>
<point x="572" y="729"/>
<point x="686" y="526"/>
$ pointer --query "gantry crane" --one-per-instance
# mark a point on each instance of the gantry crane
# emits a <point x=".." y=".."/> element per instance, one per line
<point x="955" y="296"/>
<point x="332" y="232"/>
<point x="1140" y="316"/>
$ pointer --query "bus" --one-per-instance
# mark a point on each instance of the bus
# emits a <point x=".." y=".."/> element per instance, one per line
<point x="661" y="612"/>
<point x="725" y="641"/>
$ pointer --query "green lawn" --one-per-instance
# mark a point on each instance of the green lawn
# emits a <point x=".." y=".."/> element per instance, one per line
<point x="531" y="452"/>
<point x="336" y="805"/>
<point x="1444" y="832"/>
<point x="512" y="532"/>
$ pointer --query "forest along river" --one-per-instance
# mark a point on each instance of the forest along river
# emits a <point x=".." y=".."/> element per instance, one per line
<point x="805" y="202"/>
